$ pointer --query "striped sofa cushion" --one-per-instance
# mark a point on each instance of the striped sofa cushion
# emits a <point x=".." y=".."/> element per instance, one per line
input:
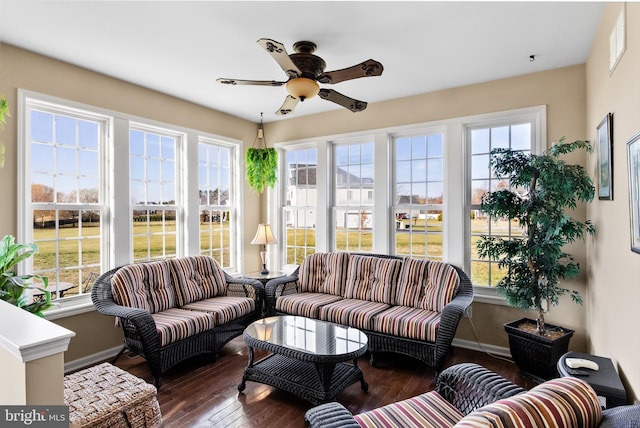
<point x="412" y="323"/>
<point x="175" y="324"/>
<point x="565" y="403"/>
<point x="324" y="273"/>
<point x="197" y="278"/>
<point x="224" y="309"/>
<point x="428" y="410"/>
<point x="352" y="313"/>
<point x="304" y="304"/>
<point x="144" y="285"/>
<point x="441" y="286"/>
<point x="413" y="276"/>
<point x="128" y="287"/>
<point x="162" y="293"/>
<point x="372" y="278"/>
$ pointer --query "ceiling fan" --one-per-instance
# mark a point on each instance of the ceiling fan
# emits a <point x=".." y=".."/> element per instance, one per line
<point x="304" y="70"/>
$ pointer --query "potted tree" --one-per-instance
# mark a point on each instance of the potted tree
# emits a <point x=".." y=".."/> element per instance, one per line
<point x="542" y="188"/>
<point x="13" y="287"/>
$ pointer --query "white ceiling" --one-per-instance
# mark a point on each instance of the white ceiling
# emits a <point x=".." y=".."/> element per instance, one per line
<point x="180" y="47"/>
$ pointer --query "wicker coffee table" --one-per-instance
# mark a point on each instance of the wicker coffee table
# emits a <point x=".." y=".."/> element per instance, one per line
<point x="309" y="358"/>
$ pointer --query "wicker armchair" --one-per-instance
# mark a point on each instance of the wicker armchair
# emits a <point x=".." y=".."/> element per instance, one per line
<point x="431" y="353"/>
<point x="141" y="336"/>
<point x="467" y="387"/>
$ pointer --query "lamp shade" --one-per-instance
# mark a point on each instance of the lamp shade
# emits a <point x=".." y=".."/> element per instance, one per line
<point x="264" y="235"/>
<point x="302" y="88"/>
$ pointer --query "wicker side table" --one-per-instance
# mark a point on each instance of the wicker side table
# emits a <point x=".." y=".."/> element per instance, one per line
<point x="106" y="396"/>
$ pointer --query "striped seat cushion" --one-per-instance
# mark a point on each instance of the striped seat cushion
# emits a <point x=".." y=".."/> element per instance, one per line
<point x="175" y="324"/>
<point x="304" y="304"/>
<point x="197" y="278"/>
<point x="224" y="309"/>
<point x="441" y="286"/>
<point x="563" y="403"/>
<point x="372" y="278"/>
<point x="405" y="321"/>
<point x="428" y="410"/>
<point x="352" y="313"/>
<point x="324" y="273"/>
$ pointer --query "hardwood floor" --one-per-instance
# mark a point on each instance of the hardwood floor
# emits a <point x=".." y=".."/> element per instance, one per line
<point x="199" y="393"/>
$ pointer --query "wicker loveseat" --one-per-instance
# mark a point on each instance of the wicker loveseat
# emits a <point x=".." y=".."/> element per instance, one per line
<point x="468" y="395"/>
<point x="404" y="305"/>
<point x="173" y="309"/>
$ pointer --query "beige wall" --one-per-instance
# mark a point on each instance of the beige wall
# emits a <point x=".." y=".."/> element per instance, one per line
<point x="614" y="271"/>
<point x="20" y="69"/>
<point x="561" y="90"/>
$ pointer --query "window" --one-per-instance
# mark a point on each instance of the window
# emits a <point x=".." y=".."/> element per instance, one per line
<point x="64" y="152"/>
<point x="418" y="195"/>
<point x="215" y="179"/>
<point x="483" y="139"/>
<point x="299" y="211"/>
<point x="409" y="190"/>
<point x="99" y="189"/>
<point x="154" y="209"/>
<point x="353" y="174"/>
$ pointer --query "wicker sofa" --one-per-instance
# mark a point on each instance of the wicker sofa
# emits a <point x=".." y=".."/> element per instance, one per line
<point x="404" y="305"/>
<point x="173" y="309"/>
<point x="468" y="395"/>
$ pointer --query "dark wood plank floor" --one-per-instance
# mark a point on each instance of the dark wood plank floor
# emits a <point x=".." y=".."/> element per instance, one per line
<point x="199" y="393"/>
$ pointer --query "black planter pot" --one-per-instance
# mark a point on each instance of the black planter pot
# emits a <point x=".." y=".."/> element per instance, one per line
<point x="536" y="356"/>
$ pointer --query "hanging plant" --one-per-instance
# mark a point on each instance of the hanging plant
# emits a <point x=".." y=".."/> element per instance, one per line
<point x="262" y="163"/>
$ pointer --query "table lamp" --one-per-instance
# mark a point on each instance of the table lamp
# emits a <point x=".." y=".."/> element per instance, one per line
<point x="264" y="236"/>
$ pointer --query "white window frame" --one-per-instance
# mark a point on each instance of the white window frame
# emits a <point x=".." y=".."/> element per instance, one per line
<point x="179" y="189"/>
<point x="116" y="229"/>
<point x="234" y="199"/>
<point x="335" y="207"/>
<point x="284" y="208"/>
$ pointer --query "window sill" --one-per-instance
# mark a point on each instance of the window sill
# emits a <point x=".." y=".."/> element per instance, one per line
<point x="488" y="295"/>
<point x="69" y="306"/>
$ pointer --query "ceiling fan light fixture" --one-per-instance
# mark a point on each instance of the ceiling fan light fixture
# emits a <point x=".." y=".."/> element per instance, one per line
<point x="302" y="88"/>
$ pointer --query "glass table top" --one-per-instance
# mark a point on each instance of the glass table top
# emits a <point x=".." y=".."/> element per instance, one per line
<point x="307" y="335"/>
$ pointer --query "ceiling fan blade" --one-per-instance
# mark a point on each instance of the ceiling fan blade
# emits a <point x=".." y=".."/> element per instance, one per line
<point x="279" y="53"/>
<point x="367" y="68"/>
<point x="343" y="100"/>
<point x="249" y="82"/>
<point x="288" y="106"/>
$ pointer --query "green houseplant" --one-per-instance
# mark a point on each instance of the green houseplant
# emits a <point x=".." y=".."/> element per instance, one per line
<point x="542" y="189"/>
<point x="13" y="287"/>
<point x="262" y="166"/>
<point x="261" y="162"/>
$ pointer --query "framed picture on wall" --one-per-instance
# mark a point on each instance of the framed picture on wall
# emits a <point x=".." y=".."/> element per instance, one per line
<point x="605" y="159"/>
<point x="633" y="164"/>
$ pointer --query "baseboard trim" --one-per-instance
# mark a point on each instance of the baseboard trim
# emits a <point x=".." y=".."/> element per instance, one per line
<point x="92" y="359"/>
<point x="482" y="347"/>
<point x="107" y="354"/>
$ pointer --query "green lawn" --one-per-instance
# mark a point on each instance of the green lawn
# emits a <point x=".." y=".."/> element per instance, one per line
<point x="78" y="249"/>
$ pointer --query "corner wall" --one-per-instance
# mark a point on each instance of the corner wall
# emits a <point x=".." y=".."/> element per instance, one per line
<point x="20" y="69"/>
<point x="562" y="90"/>
<point x="614" y="271"/>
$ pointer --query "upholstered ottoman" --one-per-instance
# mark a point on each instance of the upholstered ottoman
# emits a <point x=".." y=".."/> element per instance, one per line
<point x="106" y="396"/>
